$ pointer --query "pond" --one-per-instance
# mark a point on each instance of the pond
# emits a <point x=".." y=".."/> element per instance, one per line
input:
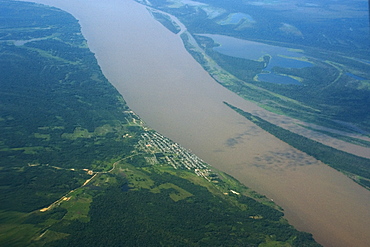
<point x="275" y="78"/>
<point x="280" y="56"/>
<point x="172" y="93"/>
<point x="355" y="76"/>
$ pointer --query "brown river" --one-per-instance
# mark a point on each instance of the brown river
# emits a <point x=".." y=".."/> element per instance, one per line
<point x="172" y="93"/>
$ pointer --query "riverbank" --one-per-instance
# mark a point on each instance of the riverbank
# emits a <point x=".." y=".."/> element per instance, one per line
<point x="171" y="92"/>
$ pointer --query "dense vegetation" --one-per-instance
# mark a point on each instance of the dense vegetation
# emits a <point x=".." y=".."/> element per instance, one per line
<point x="56" y="108"/>
<point x="166" y="21"/>
<point x="71" y="173"/>
<point x="333" y="90"/>
<point x="55" y="102"/>
<point x="265" y="21"/>
<point x="148" y="215"/>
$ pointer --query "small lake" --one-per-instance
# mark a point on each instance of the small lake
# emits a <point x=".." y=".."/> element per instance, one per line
<point x="355" y="76"/>
<point x="275" y="78"/>
<point x="280" y="56"/>
<point x="172" y="93"/>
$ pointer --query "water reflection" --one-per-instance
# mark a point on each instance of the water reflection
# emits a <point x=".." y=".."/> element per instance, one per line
<point x="355" y="76"/>
<point x="279" y="56"/>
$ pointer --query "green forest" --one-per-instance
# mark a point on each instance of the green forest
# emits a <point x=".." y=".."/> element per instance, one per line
<point x="72" y="172"/>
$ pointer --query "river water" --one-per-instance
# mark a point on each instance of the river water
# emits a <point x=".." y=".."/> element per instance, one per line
<point x="172" y="93"/>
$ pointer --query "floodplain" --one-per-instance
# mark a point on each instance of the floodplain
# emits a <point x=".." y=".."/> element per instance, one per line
<point x="164" y="85"/>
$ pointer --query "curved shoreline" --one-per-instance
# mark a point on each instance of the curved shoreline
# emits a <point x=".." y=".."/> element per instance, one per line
<point x="163" y="84"/>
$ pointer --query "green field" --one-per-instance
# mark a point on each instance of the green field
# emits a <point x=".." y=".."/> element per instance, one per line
<point x="73" y="172"/>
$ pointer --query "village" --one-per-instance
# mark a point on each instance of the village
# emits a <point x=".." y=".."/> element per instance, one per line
<point x="163" y="150"/>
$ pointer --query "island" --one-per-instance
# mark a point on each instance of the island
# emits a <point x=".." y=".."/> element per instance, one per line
<point x="78" y="167"/>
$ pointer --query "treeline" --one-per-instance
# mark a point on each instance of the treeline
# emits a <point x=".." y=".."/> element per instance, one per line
<point x="143" y="218"/>
<point x="57" y="109"/>
<point x="50" y="87"/>
<point x="267" y="25"/>
<point x="36" y="187"/>
<point x="325" y="90"/>
<point x="33" y="26"/>
<point x="243" y="85"/>
<point x="335" y="158"/>
<point x="63" y="50"/>
<point x="46" y="94"/>
<point x="166" y="21"/>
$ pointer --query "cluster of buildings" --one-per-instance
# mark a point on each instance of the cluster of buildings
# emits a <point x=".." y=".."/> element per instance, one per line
<point x="166" y="151"/>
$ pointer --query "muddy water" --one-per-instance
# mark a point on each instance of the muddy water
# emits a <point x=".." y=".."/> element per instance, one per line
<point x="174" y="95"/>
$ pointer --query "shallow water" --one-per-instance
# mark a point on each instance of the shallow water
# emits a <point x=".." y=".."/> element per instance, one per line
<point x="283" y="57"/>
<point x="174" y="95"/>
<point x="279" y="56"/>
<point x="275" y="78"/>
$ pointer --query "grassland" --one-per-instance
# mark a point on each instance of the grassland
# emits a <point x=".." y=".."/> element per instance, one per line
<point x="72" y="172"/>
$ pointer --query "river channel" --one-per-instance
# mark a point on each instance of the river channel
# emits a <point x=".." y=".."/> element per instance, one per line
<point x="172" y="93"/>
